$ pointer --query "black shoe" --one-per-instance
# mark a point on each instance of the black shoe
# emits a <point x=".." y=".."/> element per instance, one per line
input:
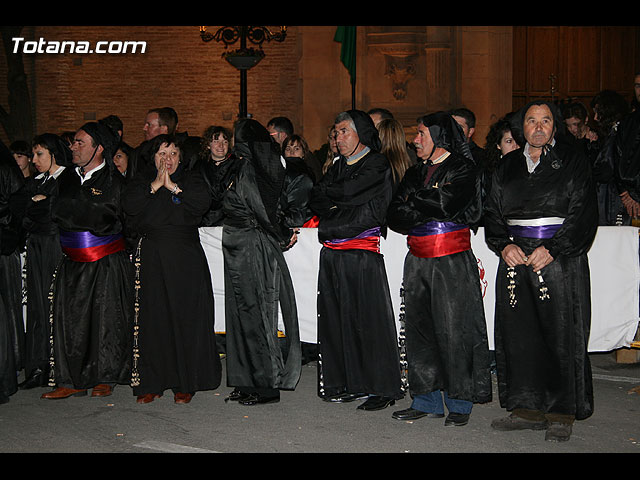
<point x="36" y="379"/>
<point x="513" y="422"/>
<point x="413" y="414"/>
<point x="345" y="397"/>
<point x="255" y="399"/>
<point x="376" y="402"/>
<point x="456" y="419"/>
<point x="236" y="395"/>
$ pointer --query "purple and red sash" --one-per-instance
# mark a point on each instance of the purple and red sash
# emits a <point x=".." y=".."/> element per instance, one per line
<point x="86" y="247"/>
<point x="367" y="240"/>
<point x="437" y="239"/>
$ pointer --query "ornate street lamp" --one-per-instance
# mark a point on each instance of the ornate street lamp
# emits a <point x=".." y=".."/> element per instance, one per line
<point x="243" y="58"/>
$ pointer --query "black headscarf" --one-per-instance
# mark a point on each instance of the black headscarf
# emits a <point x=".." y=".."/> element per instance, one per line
<point x="103" y="135"/>
<point x="446" y="133"/>
<point x="366" y="129"/>
<point x="253" y="142"/>
<point x="558" y="124"/>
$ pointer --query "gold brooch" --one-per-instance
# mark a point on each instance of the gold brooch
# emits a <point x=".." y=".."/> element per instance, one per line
<point x="95" y="191"/>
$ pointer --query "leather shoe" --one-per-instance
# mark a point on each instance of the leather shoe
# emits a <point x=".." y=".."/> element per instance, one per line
<point x="255" y="399"/>
<point x="36" y="379"/>
<point x="513" y="422"/>
<point x="345" y="397"/>
<point x="182" y="397"/>
<point x="102" y="390"/>
<point x="413" y="414"/>
<point x="558" y="432"/>
<point x="376" y="402"/>
<point x="236" y="395"/>
<point x="63" y="392"/>
<point x="456" y="419"/>
<point x="147" y="397"/>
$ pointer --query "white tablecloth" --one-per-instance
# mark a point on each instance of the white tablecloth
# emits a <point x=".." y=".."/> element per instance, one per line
<point x="613" y="260"/>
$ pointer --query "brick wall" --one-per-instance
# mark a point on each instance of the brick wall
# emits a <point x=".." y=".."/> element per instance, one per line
<point x="177" y="69"/>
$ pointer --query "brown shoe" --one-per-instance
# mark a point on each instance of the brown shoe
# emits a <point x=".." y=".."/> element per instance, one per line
<point x="182" y="397"/>
<point x="147" y="397"/>
<point x="63" y="392"/>
<point x="102" y="390"/>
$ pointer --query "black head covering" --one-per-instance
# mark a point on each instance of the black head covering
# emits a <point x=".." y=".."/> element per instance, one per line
<point x="446" y="133"/>
<point x="560" y="129"/>
<point x="56" y="146"/>
<point x="366" y="129"/>
<point x="252" y="141"/>
<point x="103" y="135"/>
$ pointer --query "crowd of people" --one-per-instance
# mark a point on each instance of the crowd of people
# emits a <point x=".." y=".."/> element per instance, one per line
<point x="100" y="241"/>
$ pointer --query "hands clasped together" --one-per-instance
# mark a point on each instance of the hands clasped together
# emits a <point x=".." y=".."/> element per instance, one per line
<point x="163" y="179"/>
<point x="539" y="258"/>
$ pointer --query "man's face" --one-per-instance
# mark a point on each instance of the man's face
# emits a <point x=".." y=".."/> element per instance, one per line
<point x="277" y="136"/>
<point x="82" y="148"/>
<point x="575" y="126"/>
<point x="636" y="87"/>
<point x="152" y="127"/>
<point x="468" y="132"/>
<point x="377" y="118"/>
<point x="346" y="138"/>
<point x="538" y="126"/>
<point x="423" y="143"/>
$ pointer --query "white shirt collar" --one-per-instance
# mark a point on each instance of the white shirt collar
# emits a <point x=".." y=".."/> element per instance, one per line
<point x="88" y="175"/>
<point x="531" y="165"/>
<point x="55" y="174"/>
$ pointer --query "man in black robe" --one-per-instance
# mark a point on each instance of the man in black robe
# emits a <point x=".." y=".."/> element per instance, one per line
<point x="541" y="218"/>
<point x="357" y="339"/>
<point x="92" y="310"/>
<point x="437" y="204"/>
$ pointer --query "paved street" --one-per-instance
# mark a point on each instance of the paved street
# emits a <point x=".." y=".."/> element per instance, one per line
<point x="302" y="423"/>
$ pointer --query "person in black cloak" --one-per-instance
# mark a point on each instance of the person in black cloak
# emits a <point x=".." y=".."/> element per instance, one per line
<point x="51" y="157"/>
<point x="91" y="313"/>
<point x="174" y="337"/>
<point x="11" y="320"/>
<point x="257" y="278"/>
<point x="357" y="338"/>
<point x="437" y="205"/>
<point x="294" y="208"/>
<point x="541" y="218"/>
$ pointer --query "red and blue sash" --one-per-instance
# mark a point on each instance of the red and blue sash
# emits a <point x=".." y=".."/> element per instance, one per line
<point x="437" y="239"/>
<point x="86" y="247"/>
<point x="367" y="240"/>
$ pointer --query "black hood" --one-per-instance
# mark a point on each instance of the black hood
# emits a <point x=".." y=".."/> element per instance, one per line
<point x="366" y="129"/>
<point x="104" y="136"/>
<point x="446" y="133"/>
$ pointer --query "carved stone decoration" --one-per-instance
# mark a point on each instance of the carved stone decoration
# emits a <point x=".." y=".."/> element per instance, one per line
<point x="400" y="69"/>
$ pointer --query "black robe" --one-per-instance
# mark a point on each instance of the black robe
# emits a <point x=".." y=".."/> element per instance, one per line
<point x="92" y="300"/>
<point x="293" y="209"/>
<point x="11" y="321"/>
<point x="541" y="343"/>
<point x="257" y="280"/>
<point x="445" y="326"/>
<point x="357" y="338"/>
<point x="218" y="177"/>
<point x="43" y="254"/>
<point x="176" y="346"/>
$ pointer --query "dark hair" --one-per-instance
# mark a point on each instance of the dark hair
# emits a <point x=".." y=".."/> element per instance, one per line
<point x="211" y="133"/>
<point x="468" y="115"/>
<point x="496" y="132"/>
<point x="21" y="148"/>
<point x="56" y="146"/>
<point x="301" y="141"/>
<point x="158" y="141"/>
<point x="611" y="107"/>
<point x="575" y="109"/>
<point x="167" y="117"/>
<point x="383" y="112"/>
<point x="126" y="148"/>
<point x="281" y="124"/>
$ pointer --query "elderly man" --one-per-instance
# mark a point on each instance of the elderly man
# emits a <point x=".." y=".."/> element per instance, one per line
<point x="437" y="204"/>
<point x="357" y="340"/>
<point x="92" y="309"/>
<point x="541" y="218"/>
